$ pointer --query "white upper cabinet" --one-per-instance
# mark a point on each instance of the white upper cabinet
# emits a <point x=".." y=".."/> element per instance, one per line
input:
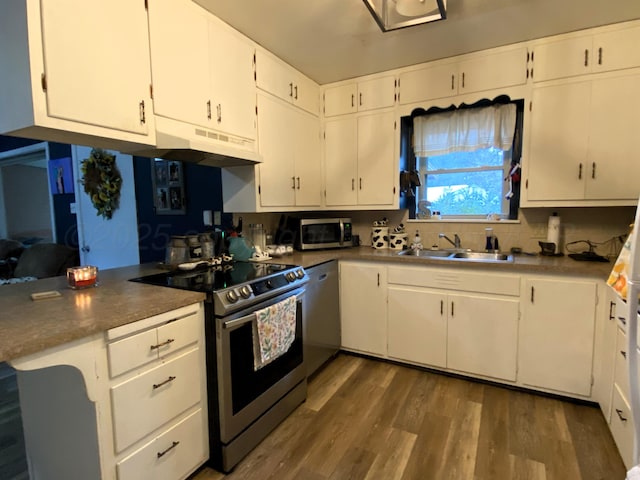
<point x="583" y="146"/>
<point x="180" y="70"/>
<point x="289" y="141"/>
<point x="279" y="79"/>
<point x="67" y="76"/>
<point x="361" y="96"/>
<point x="360" y="161"/>
<point x="202" y="70"/>
<point x="472" y="74"/>
<point x="592" y="53"/>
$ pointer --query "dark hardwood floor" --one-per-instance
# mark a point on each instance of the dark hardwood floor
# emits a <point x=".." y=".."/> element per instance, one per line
<point x="367" y="419"/>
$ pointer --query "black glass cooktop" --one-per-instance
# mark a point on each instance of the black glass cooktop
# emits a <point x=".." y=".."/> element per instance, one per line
<point x="216" y="278"/>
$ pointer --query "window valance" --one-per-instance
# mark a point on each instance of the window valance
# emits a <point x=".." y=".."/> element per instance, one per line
<point x="465" y="130"/>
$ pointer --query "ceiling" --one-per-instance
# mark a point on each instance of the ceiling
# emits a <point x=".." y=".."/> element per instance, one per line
<point x="331" y="40"/>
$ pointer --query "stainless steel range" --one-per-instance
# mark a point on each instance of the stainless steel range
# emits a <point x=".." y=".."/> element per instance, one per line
<point x="245" y="403"/>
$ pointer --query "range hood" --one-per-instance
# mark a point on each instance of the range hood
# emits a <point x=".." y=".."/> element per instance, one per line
<point x="191" y="143"/>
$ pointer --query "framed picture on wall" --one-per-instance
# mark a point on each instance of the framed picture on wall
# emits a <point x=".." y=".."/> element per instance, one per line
<point x="168" y="187"/>
<point x="61" y="176"/>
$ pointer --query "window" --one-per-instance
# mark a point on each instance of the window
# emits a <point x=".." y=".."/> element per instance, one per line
<point x="464" y="161"/>
<point x="465" y="183"/>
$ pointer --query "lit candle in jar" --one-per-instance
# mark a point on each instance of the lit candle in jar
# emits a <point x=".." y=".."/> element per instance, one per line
<point x="82" y="277"/>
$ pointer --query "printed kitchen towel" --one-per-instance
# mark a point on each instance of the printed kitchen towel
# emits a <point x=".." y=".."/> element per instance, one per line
<point x="274" y="331"/>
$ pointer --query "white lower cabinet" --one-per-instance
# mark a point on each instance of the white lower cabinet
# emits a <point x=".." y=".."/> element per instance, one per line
<point x="455" y="319"/>
<point x="622" y="427"/>
<point x="557" y="334"/>
<point x="103" y="407"/>
<point x="417" y="326"/>
<point x="363" y="307"/>
<point x="483" y="335"/>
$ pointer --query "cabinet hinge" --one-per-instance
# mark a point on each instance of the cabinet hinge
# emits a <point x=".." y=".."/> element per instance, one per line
<point x="394" y="190"/>
<point x="146" y="4"/>
<point x="256" y="110"/>
<point x="151" y="90"/>
<point x="530" y="105"/>
<point x="593" y="380"/>
<point x="325" y="193"/>
<point x="259" y="190"/>
<point x="526" y="184"/>
<point x="43" y="82"/>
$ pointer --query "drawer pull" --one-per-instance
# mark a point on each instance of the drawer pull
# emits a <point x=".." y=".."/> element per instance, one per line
<point x="622" y="320"/>
<point x="619" y="412"/>
<point x="158" y="385"/>
<point x="167" y="342"/>
<point x="623" y="353"/>
<point x="163" y="453"/>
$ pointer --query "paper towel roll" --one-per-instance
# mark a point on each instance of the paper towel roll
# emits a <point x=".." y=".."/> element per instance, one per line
<point x="553" y="231"/>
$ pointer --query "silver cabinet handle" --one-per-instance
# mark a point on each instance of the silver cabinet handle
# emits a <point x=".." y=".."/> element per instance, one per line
<point x="158" y="385"/>
<point x="619" y="412"/>
<point x="293" y="182"/>
<point x="580" y="171"/>
<point x="143" y="116"/>
<point x="623" y="353"/>
<point x="593" y="170"/>
<point x="600" y="56"/>
<point x="586" y="57"/>
<point x="298" y="180"/>
<point x="208" y="109"/>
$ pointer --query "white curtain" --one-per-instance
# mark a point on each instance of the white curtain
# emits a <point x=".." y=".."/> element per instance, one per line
<point x="464" y="130"/>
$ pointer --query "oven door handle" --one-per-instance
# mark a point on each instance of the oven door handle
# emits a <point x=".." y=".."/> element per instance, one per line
<point x="238" y="321"/>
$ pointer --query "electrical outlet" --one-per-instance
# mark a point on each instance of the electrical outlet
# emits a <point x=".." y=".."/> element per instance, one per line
<point x="72" y="208"/>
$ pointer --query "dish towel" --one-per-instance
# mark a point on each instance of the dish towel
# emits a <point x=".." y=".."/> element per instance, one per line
<point x="273" y="331"/>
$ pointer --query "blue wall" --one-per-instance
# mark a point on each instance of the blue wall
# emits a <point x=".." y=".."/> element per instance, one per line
<point x="203" y="190"/>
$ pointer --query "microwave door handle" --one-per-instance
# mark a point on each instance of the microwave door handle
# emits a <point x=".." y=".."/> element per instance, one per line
<point x="341" y="232"/>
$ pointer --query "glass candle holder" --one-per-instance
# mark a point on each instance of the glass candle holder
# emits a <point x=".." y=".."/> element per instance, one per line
<point x="82" y="277"/>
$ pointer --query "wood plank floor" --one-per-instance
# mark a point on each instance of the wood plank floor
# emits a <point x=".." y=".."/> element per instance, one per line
<point x="367" y="419"/>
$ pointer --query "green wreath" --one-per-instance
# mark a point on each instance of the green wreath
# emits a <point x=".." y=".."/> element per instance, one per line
<point x="102" y="181"/>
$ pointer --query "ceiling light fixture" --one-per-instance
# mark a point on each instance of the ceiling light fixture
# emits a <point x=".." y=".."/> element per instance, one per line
<point x="394" y="14"/>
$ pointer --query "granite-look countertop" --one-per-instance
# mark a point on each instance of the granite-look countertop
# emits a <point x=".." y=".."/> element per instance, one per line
<point x="537" y="264"/>
<point x="28" y="326"/>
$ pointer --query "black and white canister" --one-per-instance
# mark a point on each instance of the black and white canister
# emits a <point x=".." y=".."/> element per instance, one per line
<point x="380" y="237"/>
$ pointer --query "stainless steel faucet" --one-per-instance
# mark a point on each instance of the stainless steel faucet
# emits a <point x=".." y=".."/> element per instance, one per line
<point x="455" y="242"/>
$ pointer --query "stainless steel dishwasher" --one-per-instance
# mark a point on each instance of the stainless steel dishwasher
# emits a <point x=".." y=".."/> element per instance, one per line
<point x="321" y="317"/>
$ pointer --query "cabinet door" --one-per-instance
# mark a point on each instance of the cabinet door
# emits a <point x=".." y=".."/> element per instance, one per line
<point x="492" y="71"/>
<point x="363" y="312"/>
<point x="93" y="75"/>
<point x="376" y="93"/>
<point x="616" y="50"/>
<point x="483" y="335"/>
<point x="340" y="100"/>
<point x="180" y="68"/>
<point x="305" y="131"/>
<point x="376" y="159"/>
<point x="428" y="83"/>
<point x="306" y="94"/>
<point x="272" y="76"/>
<point x="417" y="326"/>
<point x="613" y="164"/>
<point x="340" y="161"/>
<point x="277" y="177"/>
<point x="556" y="335"/>
<point x="559" y="141"/>
<point x="562" y="58"/>
<point x="232" y="84"/>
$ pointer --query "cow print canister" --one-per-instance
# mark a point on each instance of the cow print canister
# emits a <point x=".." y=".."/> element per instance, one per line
<point x="380" y="237"/>
<point x="398" y="241"/>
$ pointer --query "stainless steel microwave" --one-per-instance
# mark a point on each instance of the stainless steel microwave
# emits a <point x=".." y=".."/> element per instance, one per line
<point x="317" y="233"/>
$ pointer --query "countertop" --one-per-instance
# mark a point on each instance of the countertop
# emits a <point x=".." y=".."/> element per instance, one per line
<point x="28" y="326"/>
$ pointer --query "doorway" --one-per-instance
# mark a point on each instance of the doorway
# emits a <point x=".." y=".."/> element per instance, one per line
<point x="26" y="210"/>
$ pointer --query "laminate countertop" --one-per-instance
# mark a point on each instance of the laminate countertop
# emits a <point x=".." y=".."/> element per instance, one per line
<point x="28" y="326"/>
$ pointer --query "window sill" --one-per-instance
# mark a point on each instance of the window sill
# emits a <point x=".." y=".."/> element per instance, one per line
<point x="461" y="220"/>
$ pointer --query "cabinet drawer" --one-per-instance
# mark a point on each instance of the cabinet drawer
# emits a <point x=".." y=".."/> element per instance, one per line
<point x="146" y="402"/>
<point x="622" y="427"/>
<point x="144" y="347"/>
<point x="173" y="454"/>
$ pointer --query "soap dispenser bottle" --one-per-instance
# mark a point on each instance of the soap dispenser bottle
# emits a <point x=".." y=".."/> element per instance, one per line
<point x="489" y="234"/>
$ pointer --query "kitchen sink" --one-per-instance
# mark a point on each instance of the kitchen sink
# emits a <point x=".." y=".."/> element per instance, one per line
<point x="458" y="255"/>
<point x="424" y="253"/>
<point x="482" y="256"/>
